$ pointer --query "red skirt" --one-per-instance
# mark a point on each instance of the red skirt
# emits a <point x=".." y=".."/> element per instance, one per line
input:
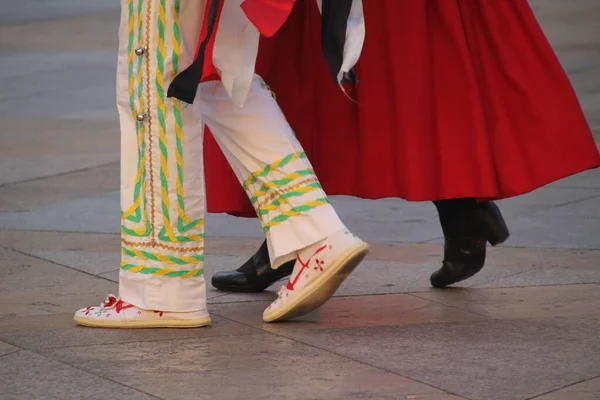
<point x="456" y="98"/>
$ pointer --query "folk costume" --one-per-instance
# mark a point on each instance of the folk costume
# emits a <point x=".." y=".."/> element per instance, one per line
<point x="184" y="64"/>
<point x="458" y="100"/>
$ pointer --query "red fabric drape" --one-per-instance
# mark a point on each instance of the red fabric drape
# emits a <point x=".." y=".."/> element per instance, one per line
<point x="268" y="15"/>
<point x="457" y="98"/>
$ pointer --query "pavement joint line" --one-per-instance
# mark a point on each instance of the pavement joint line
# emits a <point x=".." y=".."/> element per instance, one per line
<point x="432" y="290"/>
<point x="12" y="352"/>
<point x="41" y="354"/>
<point x="244" y="368"/>
<point x="219" y="296"/>
<point x="59" y="264"/>
<point x="508" y="287"/>
<point x="256" y="238"/>
<point x="553" y="207"/>
<point x="135" y="341"/>
<point x="564" y="387"/>
<point x="39" y="178"/>
<point x="530" y="269"/>
<point x="427" y="241"/>
<point x="486" y="317"/>
<point x="503" y="246"/>
<point x="9" y="341"/>
<point x="489" y="318"/>
<point x="584" y="68"/>
<point x="344" y="356"/>
<point x="577" y="187"/>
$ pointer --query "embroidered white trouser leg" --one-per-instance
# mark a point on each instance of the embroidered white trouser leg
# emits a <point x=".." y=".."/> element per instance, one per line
<point x="162" y="183"/>
<point x="272" y="167"/>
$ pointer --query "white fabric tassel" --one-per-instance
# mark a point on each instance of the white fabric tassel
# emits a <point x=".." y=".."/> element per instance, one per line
<point x="355" y="37"/>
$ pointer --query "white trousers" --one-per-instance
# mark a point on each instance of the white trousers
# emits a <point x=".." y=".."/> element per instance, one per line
<point x="162" y="181"/>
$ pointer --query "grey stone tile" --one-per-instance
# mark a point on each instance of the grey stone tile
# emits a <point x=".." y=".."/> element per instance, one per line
<point x="371" y="277"/>
<point x="544" y="276"/>
<point x="218" y="297"/>
<point x="588" y="208"/>
<point x="558" y="25"/>
<point x="380" y="277"/>
<point x="96" y="263"/>
<point x="436" y="396"/>
<point x="26" y="241"/>
<point x="576" y="60"/>
<point x="591" y="106"/>
<point x="193" y="356"/>
<point x="384" y="277"/>
<point x="32" y="64"/>
<point x="392" y="220"/>
<point x="508" y="267"/>
<point x="67" y="103"/>
<point x="101" y="214"/>
<point x="26" y="376"/>
<point x="58" y="137"/>
<point x="6" y="348"/>
<point x="50" y="331"/>
<point x="28" y="195"/>
<point x="588" y="390"/>
<point x="492" y="360"/>
<point x="97" y="214"/>
<point x="43" y="74"/>
<point x="553" y="231"/>
<point x="16" y="169"/>
<point x="111" y="275"/>
<point x="505" y="267"/>
<point x="29" y="286"/>
<point x="529" y="302"/>
<point x="344" y="312"/>
<point x="27" y="11"/>
<point x="588" y="179"/>
<point x="545" y="198"/>
<point x="328" y="381"/>
<point x="94" y="32"/>
<point x="60" y="146"/>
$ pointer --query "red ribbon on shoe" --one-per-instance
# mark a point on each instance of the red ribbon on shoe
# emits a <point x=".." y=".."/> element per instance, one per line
<point x="268" y="15"/>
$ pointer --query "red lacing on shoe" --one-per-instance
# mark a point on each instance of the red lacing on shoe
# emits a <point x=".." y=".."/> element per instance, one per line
<point x="290" y="284"/>
<point x="115" y="302"/>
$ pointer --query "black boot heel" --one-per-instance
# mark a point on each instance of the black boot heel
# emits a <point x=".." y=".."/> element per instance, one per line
<point x="463" y="258"/>
<point x="491" y="223"/>
<point x="468" y="226"/>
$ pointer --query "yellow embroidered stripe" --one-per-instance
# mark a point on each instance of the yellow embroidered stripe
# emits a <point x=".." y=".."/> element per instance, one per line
<point x="168" y="259"/>
<point x="277" y="164"/>
<point x="144" y="269"/>
<point x="294" y="211"/>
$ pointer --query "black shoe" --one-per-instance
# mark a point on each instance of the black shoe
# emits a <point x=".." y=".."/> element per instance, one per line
<point x="254" y="276"/>
<point x="468" y="226"/>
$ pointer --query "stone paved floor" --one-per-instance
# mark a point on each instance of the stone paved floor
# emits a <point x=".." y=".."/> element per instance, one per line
<point x="527" y="327"/>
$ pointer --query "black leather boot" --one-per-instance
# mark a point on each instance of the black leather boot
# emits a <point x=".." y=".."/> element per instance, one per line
<point x="255" y="275"/>
<point x="467" y="226"/>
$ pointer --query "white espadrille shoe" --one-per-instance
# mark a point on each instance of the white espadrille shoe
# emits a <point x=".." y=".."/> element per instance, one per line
<point x="318" y="273"/>
<point x="115" y="313"/>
